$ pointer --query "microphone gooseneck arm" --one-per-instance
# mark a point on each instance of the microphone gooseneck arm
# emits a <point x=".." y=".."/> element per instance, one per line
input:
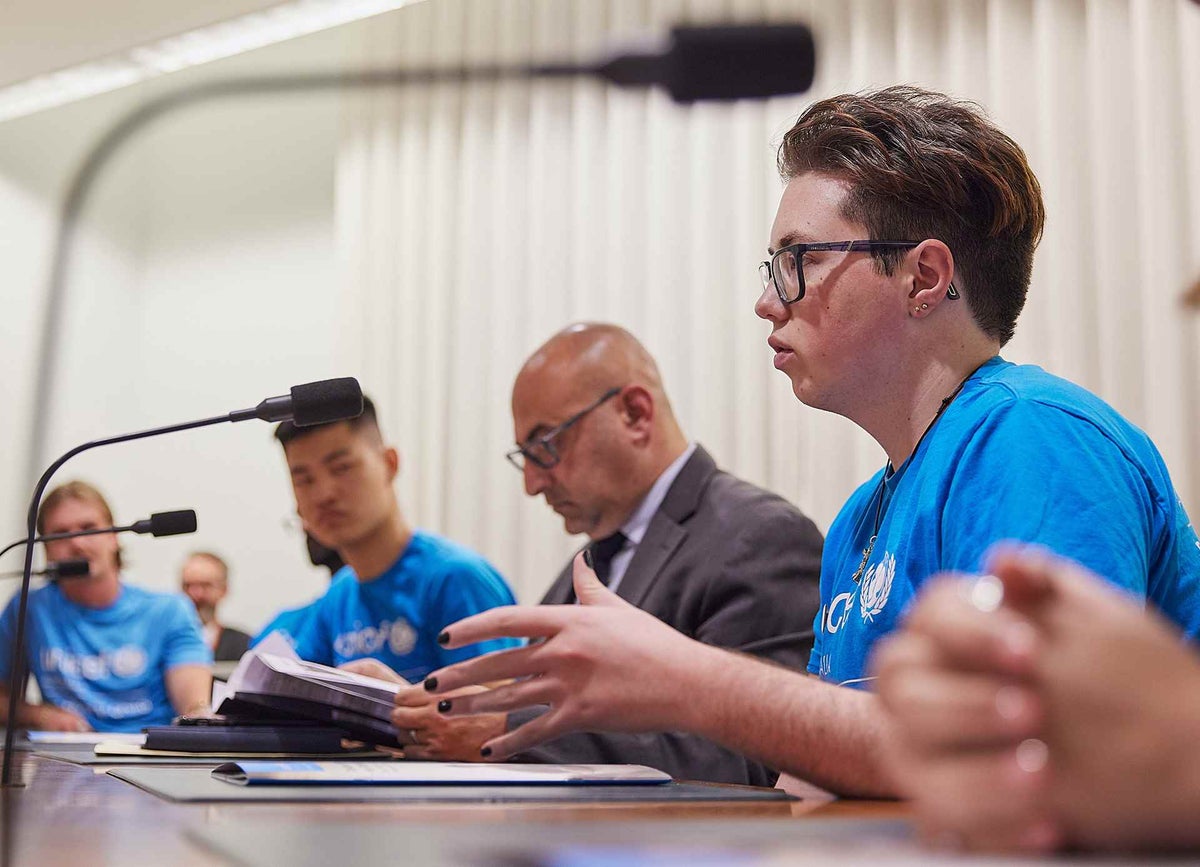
<point x="700" y="62"/>
<point x="321" y="402"/>
<point x="76" y="568"/>
<point x="159" y="524"/>
<point x="54" y="537"/>
<point x="17" y="657"/>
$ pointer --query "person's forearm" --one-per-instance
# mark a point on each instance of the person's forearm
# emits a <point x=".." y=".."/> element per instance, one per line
<point x="828" y="735"/>
<point x="190" y="688"/>
<point x="28" y="715"/>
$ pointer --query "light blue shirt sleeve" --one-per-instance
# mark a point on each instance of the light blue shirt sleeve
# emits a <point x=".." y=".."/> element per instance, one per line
<point x="288" y="623"/>
<point x="1041" y="475"/>
<point x="7" y="624"/>
<point x="469" y="588"/>
<point x="184" y="644"/>
<point x="313" y="638"/>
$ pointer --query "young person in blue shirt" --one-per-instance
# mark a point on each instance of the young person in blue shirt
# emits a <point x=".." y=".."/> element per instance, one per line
<point x="898" y="263"/>
<point x="400" y="587"/>
<point x="106" y="656"/>
<point x="1039" y="709"/>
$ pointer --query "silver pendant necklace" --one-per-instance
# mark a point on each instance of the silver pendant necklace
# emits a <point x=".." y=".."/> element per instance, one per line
<point x="867" y="551"/>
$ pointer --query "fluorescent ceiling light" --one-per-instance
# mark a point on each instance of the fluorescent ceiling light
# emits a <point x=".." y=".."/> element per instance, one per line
<point x="225" y="39"/>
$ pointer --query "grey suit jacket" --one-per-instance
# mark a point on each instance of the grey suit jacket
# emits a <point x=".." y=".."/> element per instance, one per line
<point x="726" y="563"/>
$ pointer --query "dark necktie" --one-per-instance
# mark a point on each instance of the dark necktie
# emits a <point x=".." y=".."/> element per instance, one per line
<point x="603" y="552"/>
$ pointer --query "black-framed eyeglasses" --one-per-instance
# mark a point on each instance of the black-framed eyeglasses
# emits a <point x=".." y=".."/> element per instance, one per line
<point x="785" y="270"/>
<point x="540" y="451"/>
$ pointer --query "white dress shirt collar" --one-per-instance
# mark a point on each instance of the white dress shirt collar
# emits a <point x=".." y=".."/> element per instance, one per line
<point x="637" y="524"/>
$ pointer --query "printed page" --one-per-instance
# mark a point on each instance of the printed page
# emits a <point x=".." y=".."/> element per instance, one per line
<point x="274" y="644"/>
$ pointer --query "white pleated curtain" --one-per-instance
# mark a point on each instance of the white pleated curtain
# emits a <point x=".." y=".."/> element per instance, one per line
<point x="475" y="221"/>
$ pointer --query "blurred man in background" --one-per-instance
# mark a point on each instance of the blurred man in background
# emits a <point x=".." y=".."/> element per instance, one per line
<point x="205" y="580"/>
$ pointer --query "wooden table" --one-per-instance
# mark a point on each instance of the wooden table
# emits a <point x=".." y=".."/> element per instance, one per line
<point x="69" y="814"/>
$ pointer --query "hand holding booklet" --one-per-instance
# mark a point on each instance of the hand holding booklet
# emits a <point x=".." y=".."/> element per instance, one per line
<point x="252" y="773"/>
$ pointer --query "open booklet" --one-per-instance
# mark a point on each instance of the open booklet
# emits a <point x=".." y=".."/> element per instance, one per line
<point x="272" y="682"/>
<point x="252" y="773"/>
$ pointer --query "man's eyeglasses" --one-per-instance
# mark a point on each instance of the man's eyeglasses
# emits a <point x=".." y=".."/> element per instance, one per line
<point x="785" y="270"/>
<point x="541" y="451"/>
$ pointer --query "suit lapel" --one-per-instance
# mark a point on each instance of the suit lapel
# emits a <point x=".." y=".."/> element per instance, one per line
<point x="667" y="530"/>
<point x="561" y="591"/>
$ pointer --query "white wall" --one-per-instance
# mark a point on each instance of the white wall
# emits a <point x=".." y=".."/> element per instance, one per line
<point x="205" y="279"/>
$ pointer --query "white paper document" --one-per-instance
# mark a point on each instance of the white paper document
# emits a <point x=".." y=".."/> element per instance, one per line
<point x="251" y="773"/>
<point x="274" y="644"/>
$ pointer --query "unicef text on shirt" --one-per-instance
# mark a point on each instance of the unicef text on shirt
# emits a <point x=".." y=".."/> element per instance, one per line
<point x="126" y="661"/>
<point x="399" y="636"/>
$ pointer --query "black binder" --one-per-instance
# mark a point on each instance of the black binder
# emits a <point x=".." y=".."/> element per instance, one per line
<point x="246" y="739"/>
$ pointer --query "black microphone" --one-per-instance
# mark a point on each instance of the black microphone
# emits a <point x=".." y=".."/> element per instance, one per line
<point x="167" y="523"/>
<point x="74" y="568"/>
<point x="312" y="403"/>
<point x="721" y="63"/>
<point x="159" y="524"/>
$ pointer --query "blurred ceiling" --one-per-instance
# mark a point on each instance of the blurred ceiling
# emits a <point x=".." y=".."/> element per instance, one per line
<point x="41" y="36"/>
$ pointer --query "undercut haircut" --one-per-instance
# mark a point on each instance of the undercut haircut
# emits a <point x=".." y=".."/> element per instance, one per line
<point x="922" y="165"/>
<point x="287" y="431"/>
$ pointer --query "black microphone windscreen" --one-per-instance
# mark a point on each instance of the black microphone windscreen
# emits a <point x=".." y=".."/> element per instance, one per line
<point x="723" y="63"/>
<point x="326" y="401"/>
<point x="739" y="62"/>
<point x="75" y="568"/>
<point x="173" y="523"/>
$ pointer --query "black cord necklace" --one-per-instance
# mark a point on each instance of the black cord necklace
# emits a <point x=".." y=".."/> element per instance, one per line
<point x="867" y="551"/>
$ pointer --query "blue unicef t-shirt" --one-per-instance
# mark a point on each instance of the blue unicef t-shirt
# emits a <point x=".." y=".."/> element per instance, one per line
<point x="397" y="616"/>
<point x="1018" y="455"/>
<point x="107" y="664"/>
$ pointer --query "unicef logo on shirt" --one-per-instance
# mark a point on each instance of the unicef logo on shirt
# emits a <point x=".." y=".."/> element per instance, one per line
<point x="402" y="638"/>
<point x="399" y="636"/>
<point x="127" y="661"/>
<point x="876" y="587"/>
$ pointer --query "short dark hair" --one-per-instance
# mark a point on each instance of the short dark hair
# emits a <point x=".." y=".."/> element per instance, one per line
<point x="920" y="165"/>
<point x="286" y="431"/>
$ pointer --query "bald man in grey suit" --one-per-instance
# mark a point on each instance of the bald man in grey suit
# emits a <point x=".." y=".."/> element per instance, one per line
<point x="715" y="557"/>
<point x="723" y="562"/>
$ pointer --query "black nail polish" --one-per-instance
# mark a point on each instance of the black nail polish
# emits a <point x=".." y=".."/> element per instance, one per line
<point x="485" y="752"/>
<point x="444" y="705"/>
<point x="443" y="638"/>
<point x="430" y="684"/>
<point x="587" y="558"/>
